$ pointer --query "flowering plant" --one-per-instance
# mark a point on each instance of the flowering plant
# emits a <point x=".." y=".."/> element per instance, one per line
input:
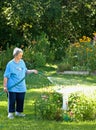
<point x="82" y="54"/>
<point x="48" y="106"/>
<point x="80" y="107"/>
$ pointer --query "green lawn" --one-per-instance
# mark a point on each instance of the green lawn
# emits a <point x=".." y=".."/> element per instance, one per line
<point x="36" y="84"/>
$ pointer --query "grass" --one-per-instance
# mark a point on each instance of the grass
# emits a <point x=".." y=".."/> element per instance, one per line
<point x="36" y="84"/>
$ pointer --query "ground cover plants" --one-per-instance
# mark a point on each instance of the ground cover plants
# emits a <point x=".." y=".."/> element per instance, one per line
<point x="37" y="86"/>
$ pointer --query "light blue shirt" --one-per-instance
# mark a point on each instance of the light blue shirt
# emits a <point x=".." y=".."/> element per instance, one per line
<point x="16" y="72"/>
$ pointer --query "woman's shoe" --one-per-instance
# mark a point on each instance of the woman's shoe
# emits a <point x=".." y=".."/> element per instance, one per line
<point x="19" y="114"/>
<point x="10" y="116"/>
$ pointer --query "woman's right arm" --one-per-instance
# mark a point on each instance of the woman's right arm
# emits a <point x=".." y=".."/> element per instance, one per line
<point x="5" y="84"/>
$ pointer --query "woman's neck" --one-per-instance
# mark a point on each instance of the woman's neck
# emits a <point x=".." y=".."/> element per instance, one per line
<point x="16" y="60"/>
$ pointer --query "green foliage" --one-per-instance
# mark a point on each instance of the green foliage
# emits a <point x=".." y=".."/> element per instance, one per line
<point x="35" y="54"/>
<point x="82" y="107"/>
<point x="37" y="51"/>
<point x="42" y="45"/>
<point x="39" y="59"/>
<point x="48" y="106"/>
<point x="62" y="21"/>
<point x="5" y="56"/>
<point x="63" y="67"/>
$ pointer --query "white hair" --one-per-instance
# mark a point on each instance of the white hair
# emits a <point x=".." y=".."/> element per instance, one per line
<point x="16" y="51"/>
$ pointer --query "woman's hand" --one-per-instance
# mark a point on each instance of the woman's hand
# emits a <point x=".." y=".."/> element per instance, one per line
<point x="32" y="71"/>
<point x="5" y="89"/>
<point x="35" y="71"/>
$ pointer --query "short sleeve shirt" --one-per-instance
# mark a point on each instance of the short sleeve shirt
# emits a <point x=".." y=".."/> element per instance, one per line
<point x="15" y="72"/>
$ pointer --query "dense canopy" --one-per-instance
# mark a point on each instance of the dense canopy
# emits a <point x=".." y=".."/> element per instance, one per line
<point x="62" y="21"/>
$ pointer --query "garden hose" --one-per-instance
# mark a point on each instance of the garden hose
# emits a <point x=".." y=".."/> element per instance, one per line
<point x="40" y="73"/>
<point x="44" y="76"/>
<point x="1" y="93"/>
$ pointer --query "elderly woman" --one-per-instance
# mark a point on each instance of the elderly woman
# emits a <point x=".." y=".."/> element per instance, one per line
<point x="14" y="76"/>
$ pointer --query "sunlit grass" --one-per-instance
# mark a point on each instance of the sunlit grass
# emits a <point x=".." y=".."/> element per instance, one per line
<point x="73" y="80"/>
<point x="3" y="103"/>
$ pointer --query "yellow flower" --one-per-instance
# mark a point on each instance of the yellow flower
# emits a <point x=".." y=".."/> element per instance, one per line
<point x="88" y="39"/>
<point x="84" y="38"/>
<point x="77" y="44"/>
<point x="94" y="33"/>
<point x="87" y="49"/>
<point x="80" y="40"/>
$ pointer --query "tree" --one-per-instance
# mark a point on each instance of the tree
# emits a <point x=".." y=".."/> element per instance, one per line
<point x="63" y="21"/>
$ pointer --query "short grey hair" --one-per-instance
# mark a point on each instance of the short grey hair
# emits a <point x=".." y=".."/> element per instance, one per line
<point x="16" y="51"/>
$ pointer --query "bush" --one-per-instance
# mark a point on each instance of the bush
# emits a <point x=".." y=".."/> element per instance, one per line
<point x="5" y="56"/>
<point x="36" y="53"/>
<point x="31" y="59"/>
<point x="80" y="107"/>
<point x="34" y="59"/>
<point x="48" y="106"/>
<point x="39" y="59"/>
<point x="63" y="67"/>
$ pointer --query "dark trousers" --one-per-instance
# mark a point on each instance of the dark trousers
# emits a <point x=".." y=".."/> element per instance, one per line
<point x="15" y="101"/>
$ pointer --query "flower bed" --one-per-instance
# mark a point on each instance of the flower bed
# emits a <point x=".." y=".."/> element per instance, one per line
<point x="81" y="107"/>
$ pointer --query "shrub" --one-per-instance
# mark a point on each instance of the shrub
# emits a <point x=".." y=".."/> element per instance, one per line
<point x="80" y="107"/>
<point x="36" y="53"/>
<point x="34" y="59"/>
<point x="5" y="56"/>
<point x="39" y="59"/>
<point x="48" y="106"/>
<point x="63" y="67"/>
